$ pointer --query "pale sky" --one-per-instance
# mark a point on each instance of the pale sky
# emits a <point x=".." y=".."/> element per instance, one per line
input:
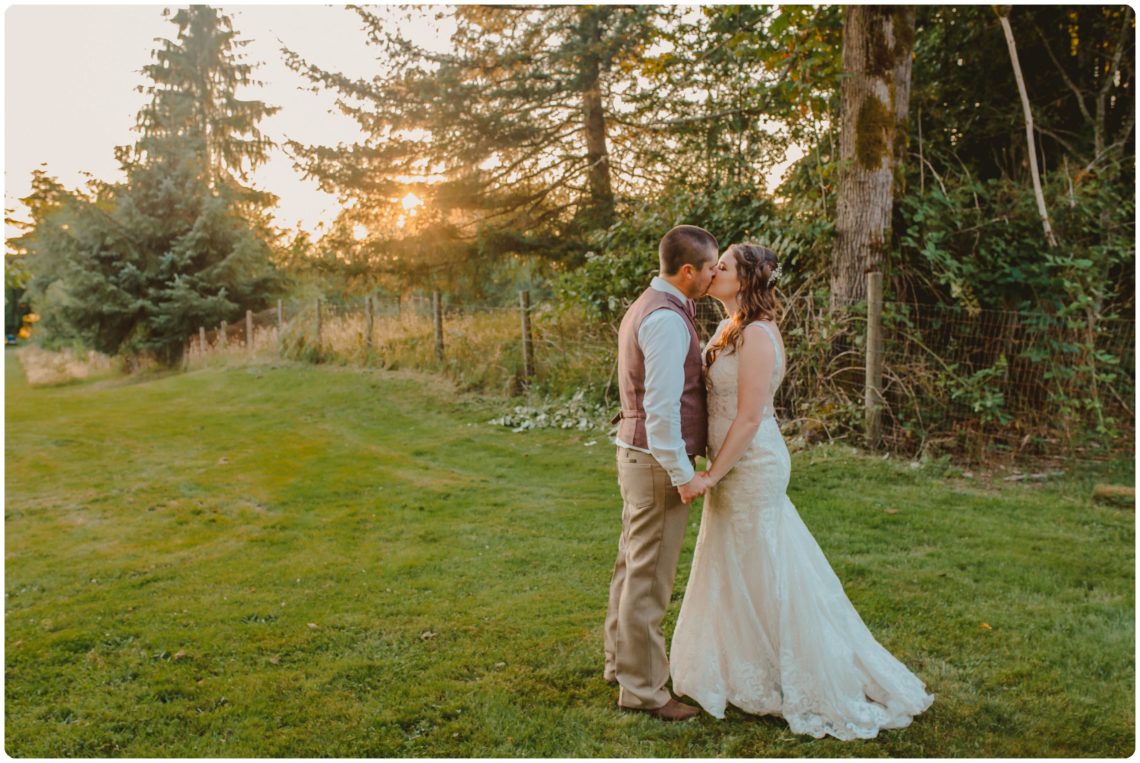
<point x="70" y="74"/>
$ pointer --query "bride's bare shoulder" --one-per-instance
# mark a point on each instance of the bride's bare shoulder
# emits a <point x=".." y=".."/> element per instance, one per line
<point x="767" y="337"/>
<point x="760" y="327"/>
<point x="753" y="333"/>
<point x="769" y="326"/>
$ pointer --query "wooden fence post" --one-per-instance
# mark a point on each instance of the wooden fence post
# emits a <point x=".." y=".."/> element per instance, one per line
<point x="527" y="341"/>
<point x="318" y="328"/>
<point x="280" y="326"/>
<point x="222" y="335"/>
<point x="437" y="312"/>
<point x="873" y="388"/>
<point x="368" y="329"/>
<point x="202" y="340"/>
<point x="249" y="331"/>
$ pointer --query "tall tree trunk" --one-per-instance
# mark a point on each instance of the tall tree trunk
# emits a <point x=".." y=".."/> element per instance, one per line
<point x="877" y="45"/>
<point x="597" y="155"/>
<point x="904" y="19"/>
<point x="1003" y="14"/>
<point x="1100" y="130"/>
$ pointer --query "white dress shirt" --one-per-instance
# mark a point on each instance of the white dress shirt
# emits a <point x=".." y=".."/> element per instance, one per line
<point x="664" y="340"/>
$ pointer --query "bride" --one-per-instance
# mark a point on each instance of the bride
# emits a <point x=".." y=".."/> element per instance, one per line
<point x="765" y="624"/>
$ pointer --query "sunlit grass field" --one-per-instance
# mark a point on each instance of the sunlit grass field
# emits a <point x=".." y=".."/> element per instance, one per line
<point x="295" y="560"/>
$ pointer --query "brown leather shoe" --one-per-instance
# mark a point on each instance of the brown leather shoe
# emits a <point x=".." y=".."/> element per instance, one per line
<point x="670" y="711"/>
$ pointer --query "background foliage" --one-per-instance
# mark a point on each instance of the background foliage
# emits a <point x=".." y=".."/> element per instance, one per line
<point x="551" y="146"/>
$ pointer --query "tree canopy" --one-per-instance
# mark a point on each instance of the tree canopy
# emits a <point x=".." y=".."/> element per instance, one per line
<point x="554" y="144"/>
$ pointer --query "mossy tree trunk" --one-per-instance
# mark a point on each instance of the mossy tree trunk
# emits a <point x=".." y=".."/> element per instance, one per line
<point x="877" y="45"/>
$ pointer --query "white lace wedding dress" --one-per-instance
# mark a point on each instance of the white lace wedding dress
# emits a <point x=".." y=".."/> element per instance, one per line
<point x="765" y="624"/>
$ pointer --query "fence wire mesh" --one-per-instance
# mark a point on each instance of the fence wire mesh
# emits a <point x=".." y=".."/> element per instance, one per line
<point x="980" y="382"/>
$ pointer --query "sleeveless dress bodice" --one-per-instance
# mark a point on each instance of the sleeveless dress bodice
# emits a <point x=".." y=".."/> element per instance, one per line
<point x="722" y="385"/>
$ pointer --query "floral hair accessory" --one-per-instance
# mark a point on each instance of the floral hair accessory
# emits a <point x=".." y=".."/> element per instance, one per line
<point x="774" y="276"/>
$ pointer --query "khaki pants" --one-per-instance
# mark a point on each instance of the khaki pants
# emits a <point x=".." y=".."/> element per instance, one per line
<point x="653" y="525"/>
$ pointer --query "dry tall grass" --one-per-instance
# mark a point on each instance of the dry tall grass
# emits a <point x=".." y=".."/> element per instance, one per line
<point x="44" y="367"/>
<point x="482" y="349"/>
<point x="953" y="396"/>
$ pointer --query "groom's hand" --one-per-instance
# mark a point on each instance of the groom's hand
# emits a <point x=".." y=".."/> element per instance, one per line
<point x="693" y="488"/>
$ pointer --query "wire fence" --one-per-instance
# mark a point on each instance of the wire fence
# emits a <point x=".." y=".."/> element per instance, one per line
<point x="977" y="383"/>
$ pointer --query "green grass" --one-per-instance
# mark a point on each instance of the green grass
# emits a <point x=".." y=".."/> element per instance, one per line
<point x="305" y="561"/>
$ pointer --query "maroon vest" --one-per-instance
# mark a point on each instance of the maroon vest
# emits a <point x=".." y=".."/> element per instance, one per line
<point x="631" y="377"/>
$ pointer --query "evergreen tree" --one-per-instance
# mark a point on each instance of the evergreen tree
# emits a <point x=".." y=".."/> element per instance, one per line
<point x="518" y="119"/>
<point x="137" y="267"/>
<point x="705" y="111"/>
<point x="194" y="110"/>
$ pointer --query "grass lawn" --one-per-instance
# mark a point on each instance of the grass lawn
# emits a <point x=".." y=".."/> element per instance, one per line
<point x="306" y="561"/>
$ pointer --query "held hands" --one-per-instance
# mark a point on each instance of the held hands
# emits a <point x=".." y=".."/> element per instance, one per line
<point x="697" y="486"/>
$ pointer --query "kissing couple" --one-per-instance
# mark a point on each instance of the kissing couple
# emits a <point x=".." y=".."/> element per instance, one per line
<point x="765" y="624"/>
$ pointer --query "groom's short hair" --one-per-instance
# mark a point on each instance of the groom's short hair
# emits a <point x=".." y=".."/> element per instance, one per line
<point x="686" y="245"/>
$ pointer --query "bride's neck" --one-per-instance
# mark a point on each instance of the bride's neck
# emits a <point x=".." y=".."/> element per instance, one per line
<point x="730" y="307"/>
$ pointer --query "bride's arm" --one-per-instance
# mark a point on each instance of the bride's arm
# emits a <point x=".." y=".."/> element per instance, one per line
<point x="753" y="383"/>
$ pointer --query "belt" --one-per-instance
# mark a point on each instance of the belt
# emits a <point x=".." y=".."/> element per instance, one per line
<point x="627" y="414"/>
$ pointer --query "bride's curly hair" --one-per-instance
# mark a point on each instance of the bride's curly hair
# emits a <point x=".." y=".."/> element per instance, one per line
<point x="756" y="299"/>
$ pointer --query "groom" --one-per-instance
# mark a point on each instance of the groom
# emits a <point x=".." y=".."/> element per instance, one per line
<point x="661" y="428"/>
